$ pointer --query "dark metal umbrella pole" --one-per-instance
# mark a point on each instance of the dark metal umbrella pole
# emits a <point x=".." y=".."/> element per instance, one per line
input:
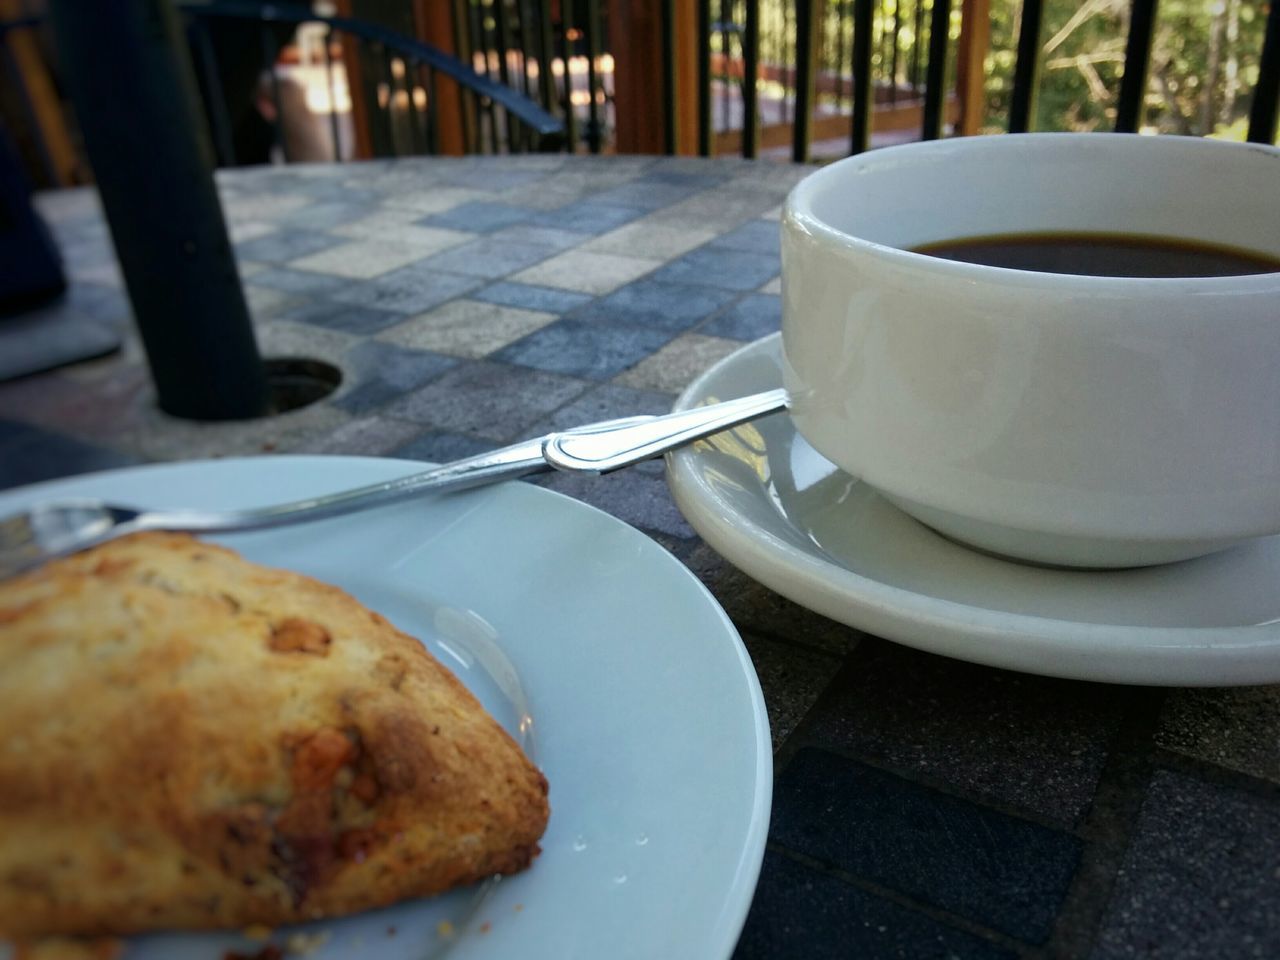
<point x="131" y="81"/>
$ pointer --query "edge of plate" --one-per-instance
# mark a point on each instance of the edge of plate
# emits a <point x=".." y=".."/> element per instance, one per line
<point x="727" y="927"/>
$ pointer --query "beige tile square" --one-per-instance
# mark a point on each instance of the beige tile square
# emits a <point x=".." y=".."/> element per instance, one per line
<point x="378" y="218"/>
<point x="434" y="199"/>
<point x="548" y="196"/>
<point x="285" y="338"/>
<point x="249" y="230"/>
<point x="108" y="274"/>
<point x="427" y="240"/>
<point x="259" y="207"/>
<point x="360" y="259"/>
<point x="720" y="208"/>
<point x="654" y="241"/>
<point x="773" y="286"/>
<point x="597" y="273"/>
<point x="466" y="328"/>
<point x="265" y="302"/>
<point x="673" y="367"/>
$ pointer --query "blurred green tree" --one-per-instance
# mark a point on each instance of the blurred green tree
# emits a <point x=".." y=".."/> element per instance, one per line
<point x="1204" y="61"/>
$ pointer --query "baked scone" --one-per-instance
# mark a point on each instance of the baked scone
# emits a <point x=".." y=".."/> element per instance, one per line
<point x="190" y="740"/>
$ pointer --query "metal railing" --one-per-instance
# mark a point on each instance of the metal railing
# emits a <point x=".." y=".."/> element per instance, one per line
<point x="535" y="74"/>
<point x="397" y="80"/>
<point x="396" y="77"/>
<point x="854" y="57"/>
<point x="552" y="53"/>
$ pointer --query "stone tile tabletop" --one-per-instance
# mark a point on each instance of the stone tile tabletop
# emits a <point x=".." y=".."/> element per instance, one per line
<point x="923" y="807"/>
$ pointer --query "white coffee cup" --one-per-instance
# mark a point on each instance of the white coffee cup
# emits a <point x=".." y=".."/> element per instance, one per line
<point x="1063" y="419"/>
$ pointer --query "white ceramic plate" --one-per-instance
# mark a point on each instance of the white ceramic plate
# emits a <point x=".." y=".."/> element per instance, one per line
<point x="767" y="501"/>
<point x="627" y="682"/>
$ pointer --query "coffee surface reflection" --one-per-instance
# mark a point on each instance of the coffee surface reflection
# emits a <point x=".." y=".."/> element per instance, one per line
<point x="1104" y="255"/>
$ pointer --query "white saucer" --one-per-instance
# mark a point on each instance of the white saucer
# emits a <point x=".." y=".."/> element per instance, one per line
<point x="767" y="501"/>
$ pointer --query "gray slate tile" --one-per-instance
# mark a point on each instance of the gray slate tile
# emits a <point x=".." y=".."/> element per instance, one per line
<point x="726" y="269"/>
<point x="582" y="349"/>
<point x="646" y="194"/>
<point x="650" y="302"/>
<point x="408" y="290"/>
<point x="326" y="214"/>
<point x="441" y="446"/>
<point x="489" y="257"/>
<point x="286" y="245"/>
<point x="1232" y="727"/>
<point x="800" y="912"/>
<point x="494" y="401"/>
<point x="1201" y="879"/>
<point x="587" y="216"/>
<point x="529" y="297"/>
<point x="478" y="216"/>
<point x="349" y="318"/>
<point x="754" y="316"/>
<point x="30" y="454"/>
<point x="1028" y="742"/>
<point x="297" y="281"/>
<point x="1007" y="874"/>
<point x="755" y="236"/>
<point x="384" y="371"/>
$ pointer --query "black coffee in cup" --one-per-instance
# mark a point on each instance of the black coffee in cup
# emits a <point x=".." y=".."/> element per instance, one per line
<point x="1104" y="255"/>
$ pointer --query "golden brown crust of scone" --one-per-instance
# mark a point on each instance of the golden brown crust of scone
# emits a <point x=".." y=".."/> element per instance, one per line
<point x="188" y="740"/>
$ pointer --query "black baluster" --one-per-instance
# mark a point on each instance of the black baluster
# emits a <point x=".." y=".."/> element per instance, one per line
<point x="667" y="31"/>
<point x="481" y="41"/>
<point x="916" y="45"/>
<point x="781" y="55"/>
<point x="751" y="67"/>
<point x="593" y="80"/>
<point x="704" y="78"/>
<point x="269" y="52"/>
<point x="1137" y="56"/>
<point x="504" y="67"/>
<point x="570" y="116"/>
<point x="840" y="10"/>
<point x="546" y="53"/>
<point x="893" y="64"/>
<point x="863" y="15"/>
<point x="417" y="123"/>
<point x="802" y="127"/>
<point x="433" y="111"/>
<point x="390" y="113"/>
<point x="935" y="93"/>
<point x="1266" y="93"/>
<point x="215" y="96"/>
<point x="521" y="41"/>
<point x="1026" y="72"/>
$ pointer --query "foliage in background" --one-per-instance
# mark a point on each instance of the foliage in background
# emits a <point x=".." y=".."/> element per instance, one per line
<point x="1204" y="57"/>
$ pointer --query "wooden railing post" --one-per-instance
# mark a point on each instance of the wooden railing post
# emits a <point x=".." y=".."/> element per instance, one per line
<point x="63" y="166"/>
<point x="686" y="94"/>
<point x="635" y="38"/>
<point x="436" y="27"/>
<point x="975" y="37"/>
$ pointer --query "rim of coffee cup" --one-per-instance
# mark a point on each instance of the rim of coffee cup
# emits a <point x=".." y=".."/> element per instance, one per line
<point x="799" y="213"/>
